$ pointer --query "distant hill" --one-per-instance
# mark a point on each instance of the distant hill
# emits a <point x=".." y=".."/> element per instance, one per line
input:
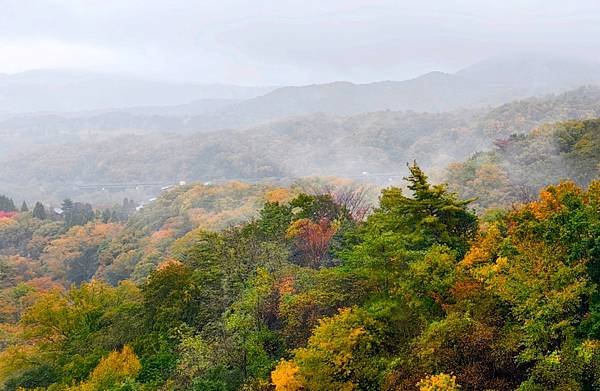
<point x="379" y="143"/>
<point x="213" y="107"/>
<point x="488" y="83"/>
<point x="69" y="91"/>
<point x="532" y="73"/>
<point x="339" y="128"/>
<point x="523" y="115"/>
<point x="195" y="107"/>
<point x="432" y="92"/>
<point x="439" y="91"/>
<point x="520" y="165"/>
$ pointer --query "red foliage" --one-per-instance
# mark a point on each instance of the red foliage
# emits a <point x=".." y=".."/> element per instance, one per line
<point x="312" y="239"/>
<point x="44" y="284"/>
<point x="7" y="215"/>
<point x="503" y="143"/>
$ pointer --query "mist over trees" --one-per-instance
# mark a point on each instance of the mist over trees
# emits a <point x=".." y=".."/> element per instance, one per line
<point x="378" y="143"/>
<point x="435" y="233"/>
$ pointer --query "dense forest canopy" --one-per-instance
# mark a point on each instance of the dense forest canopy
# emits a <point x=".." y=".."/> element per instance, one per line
<point x="214" y="246"/>
<point x="340" y="195"/>
<point x="299" y="195"/>
<point x="259" y="287"/>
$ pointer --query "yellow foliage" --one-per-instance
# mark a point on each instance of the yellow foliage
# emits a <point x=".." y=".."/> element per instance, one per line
<point x="338" y="353"/>
<point x="482" y="250"/>
<point x="439" y="382"/>
<point x="279" y="195"/>
<point x="551" y="198"/>
<point x="5" y="222"/>
<point x="589" y="350"/>
<point x="545" y="206"/>
<point x="296" y="227"/>
<point x="489" y="175"/>
<point x="113" y="370"/>
<point x="16" y="358"/>
<point x="593" y="193"/>
<point x="285" y="377"/>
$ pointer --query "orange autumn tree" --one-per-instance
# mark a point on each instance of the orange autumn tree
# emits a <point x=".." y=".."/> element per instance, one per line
<point x="73" y="257"/>
<point x="540" y="262"/>
<point x="285" y="377"/>
<point x="312" y="239"/>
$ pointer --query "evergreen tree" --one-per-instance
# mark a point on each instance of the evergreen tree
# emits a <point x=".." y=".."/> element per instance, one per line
<point x="105" y="216"/>
<point x="39" y="211"/>
<point x="438" y="215"/>
<point x="24" y="207"/>
<point x="67" y="205"/>
<point x="7" y="204"/>
<point x="77" y="213"/>
<point x="403" y="229"/>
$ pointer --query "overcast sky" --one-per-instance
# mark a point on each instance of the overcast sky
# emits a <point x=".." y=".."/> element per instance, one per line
<point x="280" y="42"/>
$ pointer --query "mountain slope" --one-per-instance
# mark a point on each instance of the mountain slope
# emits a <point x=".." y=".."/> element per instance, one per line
<point x="213" y="107"/>
<point x="519" y="166"/>
<point x="523" y="115"/>
<point x="490" y="82"/>
<point x="432" y="92"/>
<point x="316" y="144"/>
<point x="533" y="73"/>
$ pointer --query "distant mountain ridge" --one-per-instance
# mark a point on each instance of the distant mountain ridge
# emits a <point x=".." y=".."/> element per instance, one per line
<point x="432" y="92"/>
<point x="533" y="74"/>
<point x="337" y="128"/>
<point x="490" y="82"/>
<point x="487" y="83"/>
<point x="72" y="91"/>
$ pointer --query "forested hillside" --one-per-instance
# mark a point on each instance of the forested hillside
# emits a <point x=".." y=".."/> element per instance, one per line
<point x="224" y="195"/>
<point x="118" y="242"/>
<point x="312" y="292"/>
<point x="325" y="145"/>
<point x="524" y="115"/>
<point x="116" y="274"/>
<point x="377" y="143"/>
<point x="129" y="241"/>
<point x="520" y="165"/>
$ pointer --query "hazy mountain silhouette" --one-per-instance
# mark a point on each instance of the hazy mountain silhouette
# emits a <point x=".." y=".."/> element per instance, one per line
<point x="68" y="91"/>
<point x="125" y="104"/>
<point x="490" y="82"/>
<point x="532" y="74"/>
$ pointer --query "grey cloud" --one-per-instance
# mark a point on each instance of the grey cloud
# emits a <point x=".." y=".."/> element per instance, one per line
<point x="294" y="42"/>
